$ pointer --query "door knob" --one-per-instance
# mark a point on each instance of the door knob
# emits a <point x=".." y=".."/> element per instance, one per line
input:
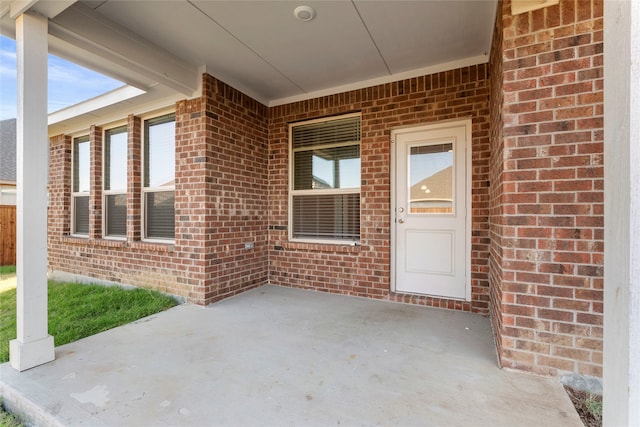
<point x="400" y="221"/>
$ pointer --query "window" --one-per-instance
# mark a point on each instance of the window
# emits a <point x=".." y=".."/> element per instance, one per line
<point x="159" y="178"/>
<point x="325" y="179"/>
<point x="431" y="179"/>
<point x="115" y="182"/>
<point x="81" y="186"/>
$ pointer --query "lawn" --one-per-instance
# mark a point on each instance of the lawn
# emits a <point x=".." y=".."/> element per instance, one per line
<point x="7" y="270"/>
<point x="7" y="419"/>
<point x="77" y="311"/>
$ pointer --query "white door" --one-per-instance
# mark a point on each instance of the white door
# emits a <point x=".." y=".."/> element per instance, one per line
<point x="430" y="221"/>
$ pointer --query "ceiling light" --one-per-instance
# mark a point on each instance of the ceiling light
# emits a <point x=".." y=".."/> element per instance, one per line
<point x="304" y="13"/>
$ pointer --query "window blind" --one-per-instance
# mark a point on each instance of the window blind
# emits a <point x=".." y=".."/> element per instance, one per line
<point x="331" y="131"/>
<point x="327" y="216"/>
<point x="81" y="215"/>
<point x="160" y="218"/>
<point x="116" y="214"/>
<point x="325" y="188"/>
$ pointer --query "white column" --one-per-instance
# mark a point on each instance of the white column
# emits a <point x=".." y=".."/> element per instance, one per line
<point x="621" y="373"/>
<point x="33" y="346"/>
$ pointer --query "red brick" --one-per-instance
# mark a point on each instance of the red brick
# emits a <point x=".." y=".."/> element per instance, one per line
<point x="589" y="343"/>
<point x="557" y="126"/>
<point x="558" y="363"/>
<point x="574" y="88"/>
<point x="540" y="116"/>
<point x="571" y="304"/>
<point x="537" y="94"/>
<point x="555" y="291"/>
<point x="574" y="112"/>
<point x="568" y="12"/>
<point x="571" y="353"/>
<point x="556" y="315"/>
<point x="558" y="78"/>
<point x="552" y="18"/>
<point x="536" y="347"/>
<point x="555" y="56"/>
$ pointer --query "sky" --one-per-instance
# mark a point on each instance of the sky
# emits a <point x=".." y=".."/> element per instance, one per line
<point x="69" y="83"/>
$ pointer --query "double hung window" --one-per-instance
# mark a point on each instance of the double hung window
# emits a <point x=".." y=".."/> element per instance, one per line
<point x="115" y="182"/>
<point x="325" y="180"/>
<point x="80" y="187"/>
<point x="159" y="178"/>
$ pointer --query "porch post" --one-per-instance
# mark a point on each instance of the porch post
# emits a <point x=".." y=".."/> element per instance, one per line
<point x="621" y="372"/>
<point x="33" y="346"/>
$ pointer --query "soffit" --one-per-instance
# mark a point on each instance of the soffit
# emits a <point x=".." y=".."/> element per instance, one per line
<point x="261" y="48"/>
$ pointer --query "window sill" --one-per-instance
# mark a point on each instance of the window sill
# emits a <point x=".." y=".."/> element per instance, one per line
<point x="80" y="240"/>
<point x="76" y="240"/>
<point x="111" y="243"/>
<point x="321" y="247"/>
<point x="153" y="246"/>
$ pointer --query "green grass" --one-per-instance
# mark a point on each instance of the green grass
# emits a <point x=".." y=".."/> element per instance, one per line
<point x="7" y="270"/>
<point x="594" y="406"/>
<point x="588" y="406"/>
<point x="77" y="311"/>
<point x="7" y="419"/>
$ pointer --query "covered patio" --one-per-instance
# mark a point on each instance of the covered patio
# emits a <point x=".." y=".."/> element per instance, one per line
<point x="282" y="356"/>
<point x="532" y="89"/>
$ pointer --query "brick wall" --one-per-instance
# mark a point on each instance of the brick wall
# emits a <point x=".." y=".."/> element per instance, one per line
<point x="220" y="193"/>
<point x="134" y="178"/>
<point x="235" y="128"/>
<point x="95" y="180"/>
<point x="548" y="247"/>
<point x="496" y="170"/>
<point x="365" y="270"/>
<point x="59" y="213"/>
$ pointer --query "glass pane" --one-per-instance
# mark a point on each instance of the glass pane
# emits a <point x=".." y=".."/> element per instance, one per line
<point x="160" y="152"/>
<point x="81" y="215"/>
<point x="431" y="179"/>
<point x="81" y="165"/>
<point x="116" y="160"/>
<point x="116" y="215"/>
<point x="337" y="167"/>
<point x="160" y="217"/>
<point x="327" y="216"/>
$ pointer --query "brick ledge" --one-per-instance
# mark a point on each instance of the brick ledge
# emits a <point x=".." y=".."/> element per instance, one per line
<point x="107" y="243"/>
<point x="320" y="247"/>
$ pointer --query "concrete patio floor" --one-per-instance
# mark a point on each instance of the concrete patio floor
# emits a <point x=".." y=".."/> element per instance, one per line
<point x="288" y="357"/>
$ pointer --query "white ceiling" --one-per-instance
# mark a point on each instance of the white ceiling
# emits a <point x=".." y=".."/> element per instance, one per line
<point x="261" y="45"/>
<point x="260" y="48"/>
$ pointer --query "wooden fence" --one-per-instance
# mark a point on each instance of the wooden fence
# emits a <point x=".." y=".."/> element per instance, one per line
<point x="7" y="235"/>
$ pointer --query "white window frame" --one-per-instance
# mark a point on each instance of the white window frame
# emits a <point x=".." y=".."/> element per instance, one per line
<point x="106" y="192"/>
<point x="74" y="194"/>
<point x="320" y="192"/>
<point x="146" y="190"/>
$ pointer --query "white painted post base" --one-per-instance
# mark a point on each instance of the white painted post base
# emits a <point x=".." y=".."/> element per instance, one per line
<point x="28" y="355"/>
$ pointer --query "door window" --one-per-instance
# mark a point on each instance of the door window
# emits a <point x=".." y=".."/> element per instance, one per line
<point x="431" y="186"/>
